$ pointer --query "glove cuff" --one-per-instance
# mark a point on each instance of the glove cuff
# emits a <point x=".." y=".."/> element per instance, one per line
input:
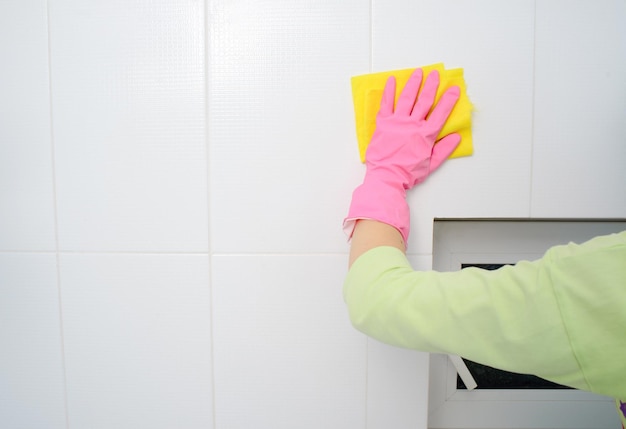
<point x="379" y="201"/>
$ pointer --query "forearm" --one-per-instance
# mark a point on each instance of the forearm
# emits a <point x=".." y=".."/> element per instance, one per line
<point x="369" y="234"/>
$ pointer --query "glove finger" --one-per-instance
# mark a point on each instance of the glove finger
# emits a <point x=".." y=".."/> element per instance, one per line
<point x="427" y="96"/>
<point x="406" y="101"/>
<point x="442" y="110"/>
<point x="443" y="149"/>
<point x="389" y="96"/>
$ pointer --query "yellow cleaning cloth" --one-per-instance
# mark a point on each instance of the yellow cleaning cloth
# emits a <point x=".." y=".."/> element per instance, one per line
<point x="367" y="92"/>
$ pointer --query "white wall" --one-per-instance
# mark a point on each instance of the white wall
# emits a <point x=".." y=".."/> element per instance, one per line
<point x="173" y="176"/>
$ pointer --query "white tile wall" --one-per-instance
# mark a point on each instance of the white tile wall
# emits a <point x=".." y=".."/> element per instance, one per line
<point x="579" y="155"/>
<point x="286" y="355"/>
<point x="137" y="335"/>
<point x="197" y="147"/>
<point x="128" y="100"/>
<point x="26" y="188"/>
<point x="282" y="141"/>
<point x="31" y="361"/>
<point x="395" y="387"/>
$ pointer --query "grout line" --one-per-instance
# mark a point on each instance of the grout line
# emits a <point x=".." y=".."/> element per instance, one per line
<point x="371" y="50"/>
<point x="207" y="123"/>
<point x="367" y="340"/>
<point x="287" y="253"/>
<point x="169" y="253"/>
<point x="56" y="223"/>
<point x="367" y="349"/>
<point x="128" y="252"/>
<point x="28" y="252"/>
<point x="532" y="118"/>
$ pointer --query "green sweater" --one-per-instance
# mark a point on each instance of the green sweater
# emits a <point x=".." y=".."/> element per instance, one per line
<point x="562" y="317"/>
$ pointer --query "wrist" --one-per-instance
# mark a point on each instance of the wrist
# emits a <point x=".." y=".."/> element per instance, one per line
<point x="369" y="234"/>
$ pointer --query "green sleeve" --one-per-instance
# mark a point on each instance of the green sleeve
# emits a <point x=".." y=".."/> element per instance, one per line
<point x="561" y="317"/>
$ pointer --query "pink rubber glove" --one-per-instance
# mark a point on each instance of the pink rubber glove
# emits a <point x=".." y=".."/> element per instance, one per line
<point x="403" y="152"/>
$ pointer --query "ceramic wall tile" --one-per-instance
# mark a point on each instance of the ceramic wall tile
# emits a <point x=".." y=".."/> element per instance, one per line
<point x="26" y="178"/>
<point x="395" y="378"/>
<point x="31" y="361"/>
<point x="128" y="100"/>
<point x="493" y="42"/>
<point x="579" y="153"/>
<point x="283" y="149"/>
<point x="137" y="332"/>
<point x="286" y="354"/>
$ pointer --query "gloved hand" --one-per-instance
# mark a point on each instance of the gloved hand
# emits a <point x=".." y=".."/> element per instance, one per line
<point x="403" y="152"/>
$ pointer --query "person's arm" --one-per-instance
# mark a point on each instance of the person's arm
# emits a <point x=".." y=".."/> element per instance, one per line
<point x="478" y="314"/>
<point x="404" y="150"/>
<point x="561" y="317"/>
